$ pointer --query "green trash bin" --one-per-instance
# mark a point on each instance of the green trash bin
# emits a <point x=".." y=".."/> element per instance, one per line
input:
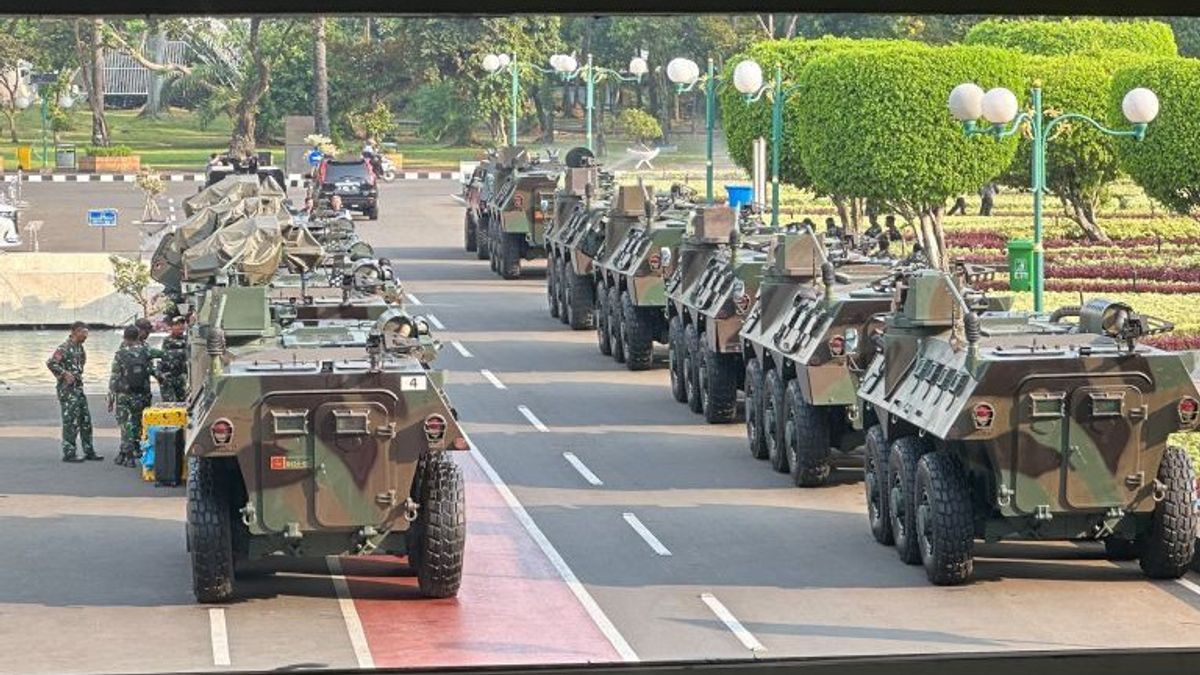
<point x="1020" y="264"/>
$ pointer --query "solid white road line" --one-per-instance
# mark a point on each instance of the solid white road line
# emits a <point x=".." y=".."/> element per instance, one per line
<point x="434" y="320"/>
<point x="493" y="379"/>
<point x="1189" y="584"/>
<point x="412" y="298"/>
<point x="220" y="637"/>
<point x="582" y="469"/>
<point x="461" y="349"/>
<point x="358" y="639"/>
<point x="646" y="534"/>
<point x="731" y="622"/>
<point x="585" y="598"/>
<point x="537" y="424"/>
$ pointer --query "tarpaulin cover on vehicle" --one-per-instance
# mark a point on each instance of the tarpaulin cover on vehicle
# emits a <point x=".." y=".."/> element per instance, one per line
<point x="254" y="244"/>
<point x="230" y="189"/>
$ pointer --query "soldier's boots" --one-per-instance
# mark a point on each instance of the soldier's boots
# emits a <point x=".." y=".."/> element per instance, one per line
<point x="93" y="457"/>
<point x="72" y="458"/>
<point x="124" y="458"/>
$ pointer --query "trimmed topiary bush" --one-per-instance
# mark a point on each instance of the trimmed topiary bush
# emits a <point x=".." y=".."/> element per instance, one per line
<point x="1152" y="38"/>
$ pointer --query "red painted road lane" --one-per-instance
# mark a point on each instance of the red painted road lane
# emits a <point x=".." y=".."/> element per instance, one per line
<point x="513" y="607"/>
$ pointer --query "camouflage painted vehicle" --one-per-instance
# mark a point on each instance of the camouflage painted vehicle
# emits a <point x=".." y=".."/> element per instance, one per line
<point x="709" y="291"/>
<point x="1005" y="425"/>
<point x="517" y="210"/>
<point x="475" y="194"/>
<point x="631" y="293"/>
<point x="805" y="344"/>
<point x="574" y="240"/>
<point x="328" y="437"/>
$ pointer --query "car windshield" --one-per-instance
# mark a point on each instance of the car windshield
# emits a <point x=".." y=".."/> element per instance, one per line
<point x="412" y="341"/>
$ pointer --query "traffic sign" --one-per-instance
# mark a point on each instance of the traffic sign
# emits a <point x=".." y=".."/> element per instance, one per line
<point x="314" y="157"/>
<point x="43" y="78"/>
<point x="102" y="217"/>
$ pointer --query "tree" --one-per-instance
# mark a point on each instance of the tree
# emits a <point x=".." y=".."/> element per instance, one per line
<point x="1164" y="163"/>
<point x="874" y="125"/>
<point x="131" y="278"/>
<point x="1152" y="38"/>
<point x="640" y="125"/>
<point x="89" y="48"/>
<point x="320" y="78"/>
<point x="12" y="52"/>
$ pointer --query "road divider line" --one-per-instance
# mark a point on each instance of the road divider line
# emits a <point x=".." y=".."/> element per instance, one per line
<point x="581" y="593"/>
<point x="1189" y="584"/>
<point x="493" y="379"/>
<point x="739" y="631"/>
<point x="358" y="639"/>
<point x="537" y="424"/>
<point x="412" y="298"/>
<point x="645" y="533"/>
<point x="434" y="320"/>
<point x="461" y="349"/>
<point x="582" y="469"/>
<point x="220" y="637"/>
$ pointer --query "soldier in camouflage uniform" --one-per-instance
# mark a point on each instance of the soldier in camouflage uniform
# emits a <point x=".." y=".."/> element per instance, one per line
<point x="129" y="391"/>
<point x="67" y="364"/>
<point x="172" y="367"/>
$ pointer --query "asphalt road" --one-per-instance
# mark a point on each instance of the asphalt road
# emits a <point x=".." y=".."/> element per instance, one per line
<point x="656" y="537"/>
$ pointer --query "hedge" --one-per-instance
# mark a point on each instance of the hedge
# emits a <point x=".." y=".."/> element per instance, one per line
<point x="1153" y="38"/>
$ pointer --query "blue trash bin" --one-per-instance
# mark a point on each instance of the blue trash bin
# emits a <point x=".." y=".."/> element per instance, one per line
<point x="740" y="194"/>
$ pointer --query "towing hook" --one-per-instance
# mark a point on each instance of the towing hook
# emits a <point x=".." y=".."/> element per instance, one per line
<point x="1160" y="490"/>
<point x="411" y="509"/>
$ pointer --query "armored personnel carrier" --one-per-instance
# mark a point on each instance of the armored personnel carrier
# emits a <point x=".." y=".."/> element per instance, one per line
<point x="1005" y="425"/>
<point x="475" y="194"/>
<point x="805" y="343"/>
<point x="517" y="210"/>
<point x="574" y="238"/>
<point x="709" y="291"/>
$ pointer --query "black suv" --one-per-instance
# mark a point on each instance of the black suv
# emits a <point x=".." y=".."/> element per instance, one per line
<point x="353" y="181"/>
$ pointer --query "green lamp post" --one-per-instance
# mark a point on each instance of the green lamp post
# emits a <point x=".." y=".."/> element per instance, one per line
<point x="968" y="102"/>
<point x="748" y="79"/>
<point x="568" y="68"/>
<point x="686" y="76"/>
<point x="495" y="63"/>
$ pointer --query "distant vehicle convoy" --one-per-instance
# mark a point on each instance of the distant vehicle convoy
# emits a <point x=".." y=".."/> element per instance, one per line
<point x="971" y="421"/>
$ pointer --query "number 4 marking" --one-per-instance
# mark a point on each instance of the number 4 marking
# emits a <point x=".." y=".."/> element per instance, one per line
<point x="417" y="383"/>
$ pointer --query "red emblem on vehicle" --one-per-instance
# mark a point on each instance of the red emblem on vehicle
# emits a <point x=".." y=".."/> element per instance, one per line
<point x="435" y="427"/>
<point x="984" y="415"/>
<point x="1189" y="410"/>
<point x="742" y="302"/>
<point x="518" y="200"/>
<point x="222" y="431"/>
<point x="655" y="262"/>
<point x="278" y="462"/>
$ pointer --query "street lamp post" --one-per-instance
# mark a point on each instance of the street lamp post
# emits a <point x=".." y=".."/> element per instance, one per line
<point x="494" y="63"/>
<point x="686" y="76"/>
<point x="568" y="68"/>
<point x="748" y="79"/>
<point x="968" y="102"/>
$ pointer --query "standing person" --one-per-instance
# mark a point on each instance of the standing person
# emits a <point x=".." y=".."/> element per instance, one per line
<point x="172" y="367"/>
<point x="987" y="196"/>
<point x="67" y="364"/>
<point x="145" y="328"/>
<point x="959" y="208"/>
<point x="129" y="391"/>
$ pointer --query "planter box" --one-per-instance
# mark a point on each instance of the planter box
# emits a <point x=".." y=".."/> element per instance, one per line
<point x="130" y="164"/>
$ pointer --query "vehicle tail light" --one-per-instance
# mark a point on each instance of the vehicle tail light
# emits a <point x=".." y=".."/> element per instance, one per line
<point x="1189" y="410"/>
<point x="435" y="427"/>
<point x="837" y="345"/>
<point x="222" y="431"/>
<point x="984" y="414"/>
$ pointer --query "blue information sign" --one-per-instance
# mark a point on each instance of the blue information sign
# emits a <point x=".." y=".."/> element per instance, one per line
<point x="102" y="217"/>
<point x="314" y="157"/>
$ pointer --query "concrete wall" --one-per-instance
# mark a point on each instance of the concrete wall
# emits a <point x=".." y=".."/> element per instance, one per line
<point x="55" y="289"/>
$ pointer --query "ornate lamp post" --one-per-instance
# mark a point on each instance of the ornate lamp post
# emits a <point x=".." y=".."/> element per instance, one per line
<point x="748" y="79"/>
<point x="568" y="68"/>
<point x="686" y="76"/>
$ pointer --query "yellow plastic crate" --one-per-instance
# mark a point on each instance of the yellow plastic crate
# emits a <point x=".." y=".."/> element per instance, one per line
<point x="163" y="415"/>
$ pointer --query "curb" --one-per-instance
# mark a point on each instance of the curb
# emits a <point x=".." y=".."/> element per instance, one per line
<point x="294" y="179"/>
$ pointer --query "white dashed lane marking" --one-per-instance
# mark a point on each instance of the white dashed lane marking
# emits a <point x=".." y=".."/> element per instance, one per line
<point x="582" y="469"/>
<point x="645" y="533"/>
<point x="461" y="349"/>
<point x="493" y="379"/>
<point x="739" y="631"/>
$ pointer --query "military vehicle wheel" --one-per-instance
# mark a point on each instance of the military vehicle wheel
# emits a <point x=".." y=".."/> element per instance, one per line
<point x="718" y="385"/>
<point x="437" y="538"/>
<point x="210" y="531"/>
<point x="754" y="409"/>
<point x="637" y="335"/>
<point x="615" y="317"/>
<point x="603" y="337"/>
<point x="675" y="359"/>
<point x="579" y="301"/>
<point x="945" y="525"/>
<point x="482" y="245"/>
<point x="469" y="239"/>
<point x="510" y="256"/>
<point x="905" y="452"/>
<point x="1169" y="546"/>
<point x="552" y="287"/>
<point x="1116" y="548"/>
<point x="691" y="368"/>
<point x="806" y="439"/>
<point x="875" y="481"/>
<point x="773" y="412"/>
<point x="564" y="290"/>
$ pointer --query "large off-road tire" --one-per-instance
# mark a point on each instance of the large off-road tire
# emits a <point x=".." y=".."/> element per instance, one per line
<point x="754" y="409"/>
<point x="603" y="336"/>
<point x="718" y="384"/>
<point x="691" y="368"/>
<point x="945" y="525"/>
<point x="903" y="456"/>
<point x="482" y="241"/>
<point x="437" y="538"/>
<point x="774" y="414"/>
<point x="616" y="318"/>
<point x="510" y="255"/>
<point x="675" y="359"/>
<point x="562" y="290"/>
<point x="552" y="287"/>
<point x="210" y="530"/>
<point x="875" y="482"/>
<point x="638" y="335"/>
<point x="470" y="238"/>
<point x="1168" y="548"/>
<point x="579" y="300"/>
<point x="806" y="439"/>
